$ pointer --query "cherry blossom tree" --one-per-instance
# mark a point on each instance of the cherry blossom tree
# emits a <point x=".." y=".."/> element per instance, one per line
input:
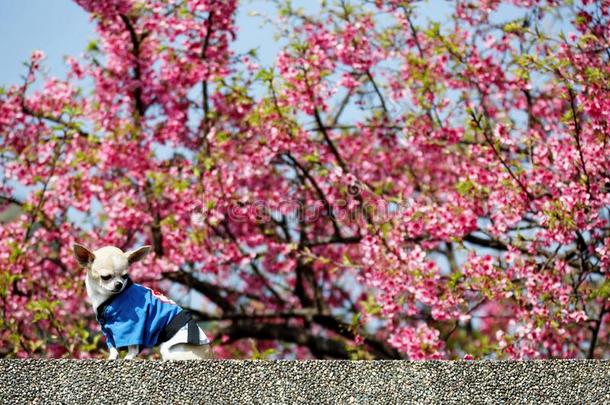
<point x="395" y="185"/>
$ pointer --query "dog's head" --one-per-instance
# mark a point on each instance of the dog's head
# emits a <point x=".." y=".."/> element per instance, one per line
<point x="108" y="266"/>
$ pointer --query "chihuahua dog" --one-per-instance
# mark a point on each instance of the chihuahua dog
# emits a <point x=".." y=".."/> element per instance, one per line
<point x="133" y="316"/>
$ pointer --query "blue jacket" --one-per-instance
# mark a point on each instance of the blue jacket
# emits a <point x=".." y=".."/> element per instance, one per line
<point x="136" y="316"/>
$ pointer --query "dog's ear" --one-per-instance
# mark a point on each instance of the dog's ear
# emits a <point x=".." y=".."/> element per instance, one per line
<point x="83" y="255"/>
<point x="138" y="254"/>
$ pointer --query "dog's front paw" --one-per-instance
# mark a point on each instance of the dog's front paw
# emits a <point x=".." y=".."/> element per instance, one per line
<point x="114" y="354"/>
<point x="132" y="352"/>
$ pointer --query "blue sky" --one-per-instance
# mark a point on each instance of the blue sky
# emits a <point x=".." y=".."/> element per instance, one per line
<point x="57" y="27"/>
<point x="60" y="28"/>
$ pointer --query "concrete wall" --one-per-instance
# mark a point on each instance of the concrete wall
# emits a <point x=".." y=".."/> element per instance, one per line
<point x="312" y="382"/>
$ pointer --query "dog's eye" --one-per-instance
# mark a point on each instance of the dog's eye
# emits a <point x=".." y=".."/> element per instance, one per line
<point x="125" y="275"/>
<point x="106" y="278"/>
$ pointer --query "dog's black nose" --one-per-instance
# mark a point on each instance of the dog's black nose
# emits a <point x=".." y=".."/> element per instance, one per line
<point x="118" y="285"/>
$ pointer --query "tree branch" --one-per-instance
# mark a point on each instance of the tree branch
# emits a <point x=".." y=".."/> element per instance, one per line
<point x="318" y="189"/>
<point x="320" y="347"/>
<point x="211" y="291"/>
<point x="329" y="141"/>
<point x="577" y="135"/>
<point x="595" y="332"/>
<point x="136" y="41"/>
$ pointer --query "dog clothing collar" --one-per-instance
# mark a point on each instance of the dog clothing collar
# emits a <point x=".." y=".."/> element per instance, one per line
<point x="100" y="310"/>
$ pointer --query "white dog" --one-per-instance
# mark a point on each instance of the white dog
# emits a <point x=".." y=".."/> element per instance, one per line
<point x="134" y="316"/>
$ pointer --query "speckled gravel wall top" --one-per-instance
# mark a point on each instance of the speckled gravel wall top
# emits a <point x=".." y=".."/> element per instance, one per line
<point x="311" y="382"/>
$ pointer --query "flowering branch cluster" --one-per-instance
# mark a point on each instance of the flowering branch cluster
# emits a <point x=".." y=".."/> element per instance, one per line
<point x="482" y="140"/>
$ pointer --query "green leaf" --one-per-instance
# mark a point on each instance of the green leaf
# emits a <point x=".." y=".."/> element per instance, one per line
<point x="208" y="164"/>
<point x="386" y="228"/>
<point x="603" y="291"/>
<point x="346" y="260"/>
<point x="312" y="157"/>
<point x="370" y="305"/>
<point x="454" y="279"/>
<point x="580" y="19"/>
<point x="355" y="319"/>
<point x="182" y="185"/>
<point x="6" y="282"/>
<point x="595" y="75"/>
<point x="92" y="46"/>
<point x="465" y="187"/>
<point x="434" y="31"/>
<point x="265" y="75"/>
<point x="222" y="137"/>
<point x="513" y="27"/>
